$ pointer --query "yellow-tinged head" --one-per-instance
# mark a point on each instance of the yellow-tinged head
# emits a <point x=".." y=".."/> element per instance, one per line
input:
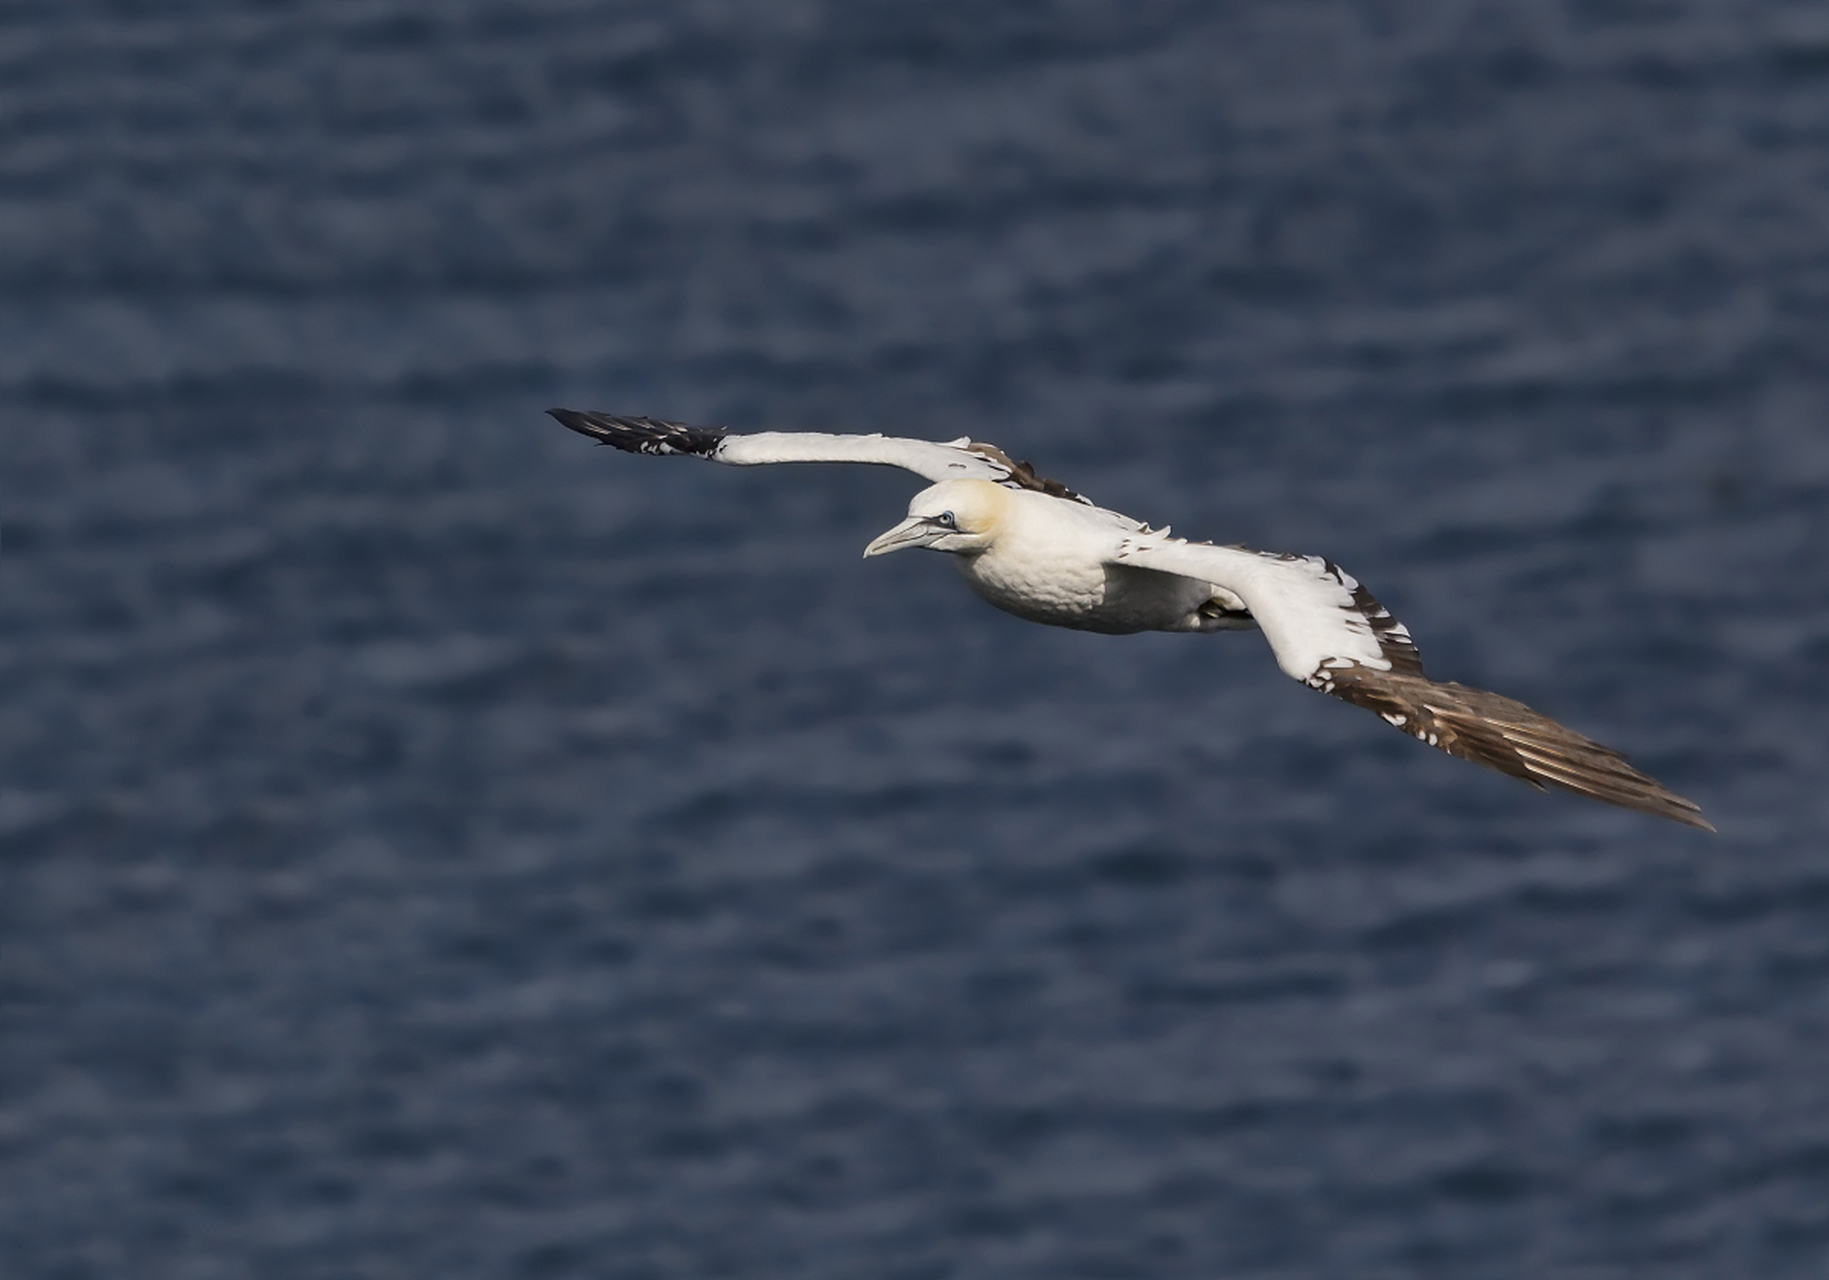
<point x="960" y="516"/>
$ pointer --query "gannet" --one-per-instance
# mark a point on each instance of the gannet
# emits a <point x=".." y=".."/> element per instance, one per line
<point x="1035" y="548"/>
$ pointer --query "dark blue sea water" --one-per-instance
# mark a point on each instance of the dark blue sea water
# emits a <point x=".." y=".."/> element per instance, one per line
<point x="430" y="847"/>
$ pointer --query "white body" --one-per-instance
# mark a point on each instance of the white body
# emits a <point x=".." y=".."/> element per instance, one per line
<point x="1071" y="564"/>
<point x="1052" y="562"/>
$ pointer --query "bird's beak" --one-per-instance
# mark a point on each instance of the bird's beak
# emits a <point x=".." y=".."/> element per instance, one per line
<point x="916" y="531"/>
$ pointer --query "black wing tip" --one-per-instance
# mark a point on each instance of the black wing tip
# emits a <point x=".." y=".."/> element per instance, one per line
<point x="577" y="421"/>
<point x="633" y="434"/>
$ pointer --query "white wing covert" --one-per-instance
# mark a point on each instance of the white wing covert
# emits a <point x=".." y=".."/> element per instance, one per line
<point x="961" y="459"/>
<point x="1316" y="615"/>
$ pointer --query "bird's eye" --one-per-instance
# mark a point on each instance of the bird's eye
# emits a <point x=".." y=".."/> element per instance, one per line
<point x="945" y="518"/>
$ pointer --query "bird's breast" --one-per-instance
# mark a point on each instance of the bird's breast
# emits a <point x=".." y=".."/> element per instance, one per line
<point x="1064" y="588"/>
<point x="1038" y="586"/>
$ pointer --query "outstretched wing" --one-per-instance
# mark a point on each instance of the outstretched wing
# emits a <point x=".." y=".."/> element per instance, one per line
<point x="961" y="459"/>
<point x="1328" y="632"/>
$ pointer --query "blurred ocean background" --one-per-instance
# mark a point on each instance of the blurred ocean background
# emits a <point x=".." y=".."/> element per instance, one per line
<point x="431" y="847"/>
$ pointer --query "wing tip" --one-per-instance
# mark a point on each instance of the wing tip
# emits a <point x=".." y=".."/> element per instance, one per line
<point x="577" y="421"/>
<point x="1502" y="734"/>
<point x="634" y="434"/>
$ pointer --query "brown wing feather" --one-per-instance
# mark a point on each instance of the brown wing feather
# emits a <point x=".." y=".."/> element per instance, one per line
<point x="1506" y="735"/>
<point x="1393" y="637"/>
<point x="1022" y="474"/>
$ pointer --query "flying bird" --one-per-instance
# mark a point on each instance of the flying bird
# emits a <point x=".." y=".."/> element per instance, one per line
<point x="1035" y="548"/>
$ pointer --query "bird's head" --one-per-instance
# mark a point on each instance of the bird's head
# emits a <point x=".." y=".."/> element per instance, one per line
<point x="961" y="516"/>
